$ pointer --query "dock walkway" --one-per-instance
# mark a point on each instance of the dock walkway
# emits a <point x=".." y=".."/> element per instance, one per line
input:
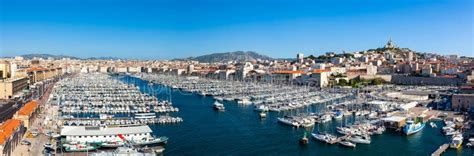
<point x="440" y="150"/>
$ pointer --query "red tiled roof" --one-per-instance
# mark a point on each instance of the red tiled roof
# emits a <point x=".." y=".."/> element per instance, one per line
<point x="7" y="129"/>
<point x="320" y="70"/>
<point x="287" y="72"/>
<point x="28" y="108"/>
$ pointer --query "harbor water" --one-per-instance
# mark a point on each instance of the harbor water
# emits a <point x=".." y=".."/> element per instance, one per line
<point x="240" y="131"/>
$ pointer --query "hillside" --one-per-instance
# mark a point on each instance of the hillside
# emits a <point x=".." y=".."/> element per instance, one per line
<point x="239" y="56"/>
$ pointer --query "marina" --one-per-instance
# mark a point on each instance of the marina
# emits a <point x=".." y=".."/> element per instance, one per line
<point x="274" y="97"/>
<point x="244" y="126"/>
<point x="99" y="112"/>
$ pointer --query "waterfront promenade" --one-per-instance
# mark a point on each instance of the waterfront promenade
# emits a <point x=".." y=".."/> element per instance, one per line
<point x="37" y="143"/>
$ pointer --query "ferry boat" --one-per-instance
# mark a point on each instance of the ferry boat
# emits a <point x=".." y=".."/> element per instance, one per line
<point x="137" y="135"/>
<point x="411" y="127"/>
<point x="456" y="141"/>
<point x="145" y="116"/>
<point x="219" y="106"/>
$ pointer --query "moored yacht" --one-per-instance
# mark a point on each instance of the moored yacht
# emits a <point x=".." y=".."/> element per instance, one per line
<point x="411" y="127"/>
<point x="361" y="139"/>
<point x="456" y="141"/>
<point x="145" y="116"/>
<point x="219" y="106"/>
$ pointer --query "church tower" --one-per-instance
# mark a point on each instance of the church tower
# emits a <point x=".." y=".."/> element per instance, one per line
<point x="389" y="44"/>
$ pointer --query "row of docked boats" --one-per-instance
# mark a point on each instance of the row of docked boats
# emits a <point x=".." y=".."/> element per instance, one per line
<point x="107" y="101"/>
<point x="274" y="97"/>
<point x="348" y="140"/>
<point x="97" y="93"/>
<point x="139" y="119"/>
<point x="83" y="147"/>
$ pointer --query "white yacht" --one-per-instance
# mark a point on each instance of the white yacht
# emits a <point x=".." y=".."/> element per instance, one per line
<point x="219" y="106"/>
<point x="364" y="139"/>
<point x="145" y="116"/>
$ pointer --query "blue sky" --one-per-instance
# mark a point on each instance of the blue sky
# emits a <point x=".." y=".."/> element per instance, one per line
<point x="172" y="29"/>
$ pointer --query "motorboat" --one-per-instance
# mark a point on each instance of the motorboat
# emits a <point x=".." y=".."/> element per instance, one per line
<point x="362" y="139"/>
<point x="149" y="141"/>
<point x="262" y="108"/>
<point x="145" y="116"/>
<point x="327" y="138"/>
<point x="288" y="121"/>
<point x="456" y="141"/>
<point x="78" y="147"/>
<point x="411" y="127"/>
<point x="338" y="115"/>
<point x="112" y="144"/>
<point x="219" y="106"/>
<point x="347" y="144"/>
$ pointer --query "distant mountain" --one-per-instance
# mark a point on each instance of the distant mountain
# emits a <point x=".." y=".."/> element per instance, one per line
<point x="46" y="56"/>
<point x="239" y="56"/>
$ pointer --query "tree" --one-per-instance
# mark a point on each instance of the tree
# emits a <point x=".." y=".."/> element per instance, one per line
<point x="343" y="82"/>
<point x="378" y="81"/>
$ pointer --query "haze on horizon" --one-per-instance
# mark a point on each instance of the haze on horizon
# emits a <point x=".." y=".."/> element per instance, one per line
<point x="170" y="29"/>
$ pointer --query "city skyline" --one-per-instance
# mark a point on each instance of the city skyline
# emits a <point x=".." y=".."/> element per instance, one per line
<point x="167" y="30"/>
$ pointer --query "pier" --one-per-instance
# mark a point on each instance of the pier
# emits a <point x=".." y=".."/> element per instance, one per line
<point x="121" y="121"/>
<point x="440" y="150"/>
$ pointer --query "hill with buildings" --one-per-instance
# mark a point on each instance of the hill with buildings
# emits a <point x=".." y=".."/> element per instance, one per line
<point x="239" y="56"/>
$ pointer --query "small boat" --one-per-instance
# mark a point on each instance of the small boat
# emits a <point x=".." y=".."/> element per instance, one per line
<point x="149" y="141"/>
<point x="105" y="116"/>
<point x="263" y="115"/>
<point x="433" y="125"/>
<point x="288" y="121"/>
<point x="343" y="130"/>
<point x="325" y="118"/>
<point x="112" y="144"/>
<point x="412" y="128"/>
<point x="145" y="116"/>
<point x="360" y="139"/>
<point x="327" y="138"/>
<point x="319" y="137"/>
<point x="78" y="147"/>
<point x="347" y="144"/>
<point x="159" y="150"/>
<point x="262" y="108"/>
<point x="126" y="151"/>
<point x="338" y="115"/>
<point x="219" y="106"/>
<point x="456" y="141"/>
<point x="379" y="130"/>
<point x="304" y="140"/>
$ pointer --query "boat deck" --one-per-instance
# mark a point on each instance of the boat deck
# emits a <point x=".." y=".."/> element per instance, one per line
<point x="339" y="139"/>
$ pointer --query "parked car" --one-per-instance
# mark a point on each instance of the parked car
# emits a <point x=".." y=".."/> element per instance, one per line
<point x="48" y="145"/>
<point x="25" y="142"/>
